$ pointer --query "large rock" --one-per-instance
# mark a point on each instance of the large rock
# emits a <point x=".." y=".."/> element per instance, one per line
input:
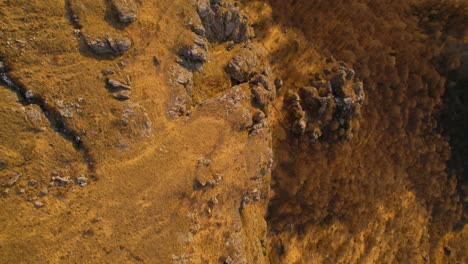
<point x="116" y="45"/>
<point x="243" y="65"/>
<point x="223" y="22"/>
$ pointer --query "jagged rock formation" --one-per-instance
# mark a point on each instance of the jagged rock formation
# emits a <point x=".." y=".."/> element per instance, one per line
<point x="329" y="109"/>
<point x="223" y="21"/>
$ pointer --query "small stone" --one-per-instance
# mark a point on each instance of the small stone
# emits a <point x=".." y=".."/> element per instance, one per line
<point x="299" y="126"/>
<point x="34" y="116"/>
<point x="32" y="182"/>
<point x="6" y="192"/>
<point x="38" y="204"/>
<point x="156" y="61"/>
<point x="278" y="84"/>
<point x="230" y="45"/>
<point x="213" y="201"/>
<point x="228" y="260"/>
<point x="62" y="181"/>
<point x="258" y="117"/>
<point x="82" y="181"/>
<point x="21" y="43"/>
<point x="96" y="220"/>
<point x="256" y="195"/>
<point x="3" y="66"/>
<point x="107" y="72"/>
<point x="43" y="192"/>
<point x="88" y="232"/>
<point x="198" y="29"/>
<point x="122" y="64"/>
<point x="204" y="162"/>
<point x="12" y="180"/>
<point x="116" y="85"/>
<point x="22" y="191"/>
<point x="349" y="74"/>
<point x="122" y="95"/>
<point x="447" y="251"/>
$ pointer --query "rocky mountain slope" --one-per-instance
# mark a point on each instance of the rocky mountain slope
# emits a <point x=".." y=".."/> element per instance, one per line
<point x="215" y="131"/>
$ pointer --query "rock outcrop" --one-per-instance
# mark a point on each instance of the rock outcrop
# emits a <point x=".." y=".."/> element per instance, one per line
<point x="328" y="109"/>
<point x="243" y="65"/>
<point x="223" y="22"/>
<point x="192" y="57"/>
